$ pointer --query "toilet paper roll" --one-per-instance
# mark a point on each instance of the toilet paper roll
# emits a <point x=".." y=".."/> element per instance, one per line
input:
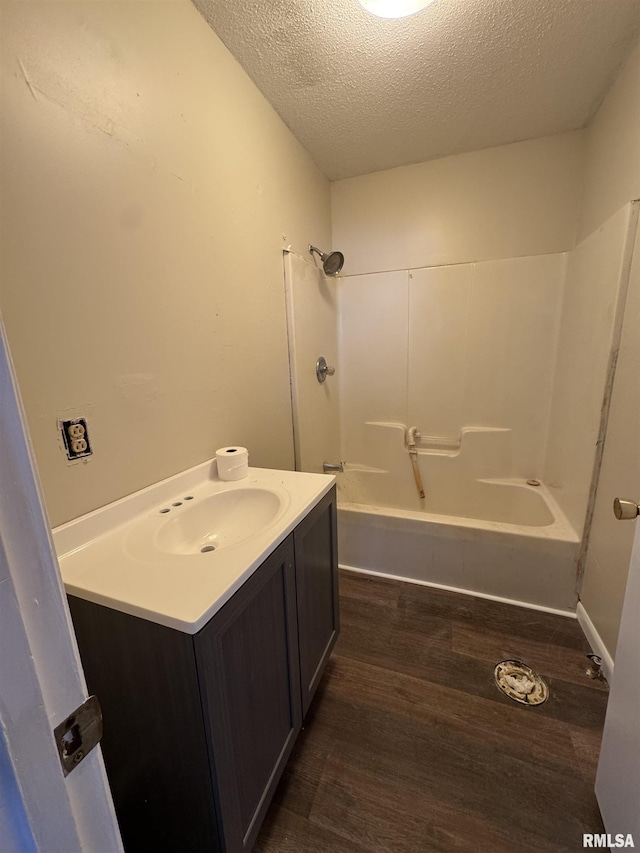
<point x="233" y="463"/>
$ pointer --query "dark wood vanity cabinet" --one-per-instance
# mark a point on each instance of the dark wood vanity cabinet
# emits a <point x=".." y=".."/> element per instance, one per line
<point x="198" y="728"/>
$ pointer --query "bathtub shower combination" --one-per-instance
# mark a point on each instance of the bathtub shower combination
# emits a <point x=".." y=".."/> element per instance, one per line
<point x="496" y="537"/>
<point x="454" y="386"/>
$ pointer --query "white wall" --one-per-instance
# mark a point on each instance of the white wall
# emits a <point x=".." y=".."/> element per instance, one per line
<point x="147" y="190"/>
<point x="510" y="201"/>
<point x="612" y="164"/>
<point x="444" y="348"/>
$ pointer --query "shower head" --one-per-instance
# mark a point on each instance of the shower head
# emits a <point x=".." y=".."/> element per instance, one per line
<point x="331" y="263"/>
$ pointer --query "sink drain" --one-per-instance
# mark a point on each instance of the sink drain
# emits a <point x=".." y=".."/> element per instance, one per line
<point x="520" y="683"/>
<point x="207" y="548"/>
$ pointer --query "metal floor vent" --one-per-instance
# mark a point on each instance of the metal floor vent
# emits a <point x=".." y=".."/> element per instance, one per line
<point x="520" y="683"/>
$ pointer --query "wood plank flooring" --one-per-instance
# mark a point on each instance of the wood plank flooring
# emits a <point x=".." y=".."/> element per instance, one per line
<point x="409" y="747"/>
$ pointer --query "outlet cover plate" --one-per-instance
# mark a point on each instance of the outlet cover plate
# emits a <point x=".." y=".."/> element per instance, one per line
<point x="66" y="431"/>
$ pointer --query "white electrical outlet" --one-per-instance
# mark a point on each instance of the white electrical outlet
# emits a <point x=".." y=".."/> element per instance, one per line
<point x="79" y="445"/>
<point x="76" y="431"/>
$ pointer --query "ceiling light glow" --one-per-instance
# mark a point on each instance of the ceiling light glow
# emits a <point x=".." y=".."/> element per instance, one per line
<point x="394" y="8"/>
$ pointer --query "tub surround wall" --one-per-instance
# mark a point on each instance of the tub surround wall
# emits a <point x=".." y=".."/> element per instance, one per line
<point x="504" y="202"/>
<point x="482" y="343"/>
<point x="147" y="187"/>
<point x="373" y="344"/>
<point x="451" y="477"/>
<point x="470" y="345"/>
<point x="312" y="317"/>
<point x="592" y="311"/>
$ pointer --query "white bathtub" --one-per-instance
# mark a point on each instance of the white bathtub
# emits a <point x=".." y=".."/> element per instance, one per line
<point x="499" y="538"/>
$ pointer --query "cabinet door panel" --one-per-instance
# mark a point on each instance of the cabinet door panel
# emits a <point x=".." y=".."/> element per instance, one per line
<point x="154" y="743"/>
<point x="317" y="592"/>
<point x="248" y="663"/>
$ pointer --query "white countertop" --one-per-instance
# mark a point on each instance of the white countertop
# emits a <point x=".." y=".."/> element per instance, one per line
<point x="110" y="556"/>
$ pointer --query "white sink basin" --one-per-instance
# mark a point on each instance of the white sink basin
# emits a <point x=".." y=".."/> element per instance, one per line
<point x="219" y="521"/>
<point x="176" y="551"/>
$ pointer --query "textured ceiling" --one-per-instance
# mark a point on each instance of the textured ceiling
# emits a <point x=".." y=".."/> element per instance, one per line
<point x="363" y="93"/>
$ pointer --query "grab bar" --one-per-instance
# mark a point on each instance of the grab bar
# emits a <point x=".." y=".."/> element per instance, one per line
<point x="412" y="434"/>
<point x="436" y="442"/>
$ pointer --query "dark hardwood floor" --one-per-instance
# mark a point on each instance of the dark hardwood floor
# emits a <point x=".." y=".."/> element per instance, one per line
<point x="409" y="747"/>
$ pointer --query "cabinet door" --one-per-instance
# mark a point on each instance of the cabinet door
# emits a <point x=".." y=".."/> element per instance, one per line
<point x="248" y="666"/>
<point x="154" y="744"/>
<point x="316" y="552"/>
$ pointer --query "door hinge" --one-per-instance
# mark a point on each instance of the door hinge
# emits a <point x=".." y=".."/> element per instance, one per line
<point x="77" y="735"/>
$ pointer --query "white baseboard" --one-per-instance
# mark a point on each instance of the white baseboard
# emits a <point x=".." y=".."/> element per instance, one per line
<point x="595" y="641"/>
<point x="514" y="602"/>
